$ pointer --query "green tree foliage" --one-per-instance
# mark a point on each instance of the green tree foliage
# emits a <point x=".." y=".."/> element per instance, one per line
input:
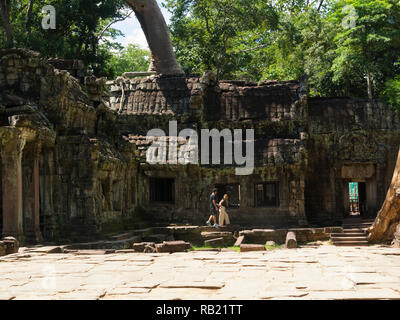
<point x="80" y="32"/>
<point x="131" y="58"/>
<point x="238" y="39"/>
<point x="287" y="40"/>
<point x="370" y="48"/>
<point x="392" y="92"/>
<point x="215" y="35"/>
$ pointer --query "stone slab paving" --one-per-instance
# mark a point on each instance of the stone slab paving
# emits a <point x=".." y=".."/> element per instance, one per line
<point x="325" y="272"/>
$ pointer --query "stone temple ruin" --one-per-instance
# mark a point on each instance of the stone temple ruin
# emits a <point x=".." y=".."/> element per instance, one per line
<point x="73" y="151"/>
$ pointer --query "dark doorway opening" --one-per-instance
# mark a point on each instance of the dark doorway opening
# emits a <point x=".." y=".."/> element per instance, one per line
<point x="233" y="192"/>
<point x="162" y="190"/>
<point x="357" y="198"/>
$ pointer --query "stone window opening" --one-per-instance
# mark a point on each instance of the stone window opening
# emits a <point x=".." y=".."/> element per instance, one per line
<point x="233" y="191"/>
<point x="267" y="194"/>
<point x="162" y="190"/>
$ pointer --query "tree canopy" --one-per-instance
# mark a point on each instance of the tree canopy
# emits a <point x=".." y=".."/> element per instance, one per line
<point x="342" y="47"/>
<point x="84" y="30"/>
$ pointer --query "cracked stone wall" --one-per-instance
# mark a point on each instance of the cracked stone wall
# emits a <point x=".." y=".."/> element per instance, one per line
<point x="350" y="140"/>
<point x="85" y="171"/>
<point x="276" y="110"/>
<point x="73" y="149"/>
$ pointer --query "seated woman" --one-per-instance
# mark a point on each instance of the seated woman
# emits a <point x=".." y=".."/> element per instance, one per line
<point x="223" y="214"/>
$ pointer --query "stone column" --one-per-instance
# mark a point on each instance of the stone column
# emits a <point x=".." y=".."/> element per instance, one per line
<point x="12" y="145"/>
<point x="35" y="227"/>
<point x="36" y="178"/>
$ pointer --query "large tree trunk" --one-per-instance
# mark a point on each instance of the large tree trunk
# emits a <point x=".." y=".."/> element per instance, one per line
<point x="5" y="18"/>
<point x="163" y="60"/>
<point x="388" y="217"/>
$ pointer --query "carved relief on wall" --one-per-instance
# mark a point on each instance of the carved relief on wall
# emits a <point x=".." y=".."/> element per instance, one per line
<point x="358" y="147"/>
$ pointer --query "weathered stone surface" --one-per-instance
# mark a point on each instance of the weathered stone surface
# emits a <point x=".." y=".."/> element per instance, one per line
<point x="12" y="245"/>
<point x="56" y="250"/>
<point x="226" y="236"/>
<point x="270" y="243"/>
<point x="325" y="272"/>
<point x="291" y="241"/>
<point x="139" y="247"/>
<point x="251" y="247"/>
<point x="239" y="241"/>
<point x="261" y="236"/>
<point x="94" y="175"/>
<point x="3" y="249"/>
<point x="173" y="246"/>
<point x="214" y="242"/>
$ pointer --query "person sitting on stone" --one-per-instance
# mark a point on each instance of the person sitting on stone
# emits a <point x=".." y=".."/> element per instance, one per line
<point x="223" y="214"/>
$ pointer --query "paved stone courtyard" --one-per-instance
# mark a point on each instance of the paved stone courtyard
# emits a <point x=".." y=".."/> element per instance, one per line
<point x="324" y="272"/>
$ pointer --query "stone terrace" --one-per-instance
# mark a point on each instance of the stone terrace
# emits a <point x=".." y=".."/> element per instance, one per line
<point x="324" y="272"/>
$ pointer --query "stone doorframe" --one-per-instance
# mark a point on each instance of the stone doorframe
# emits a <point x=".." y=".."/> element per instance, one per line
<point x="359" y="172"/>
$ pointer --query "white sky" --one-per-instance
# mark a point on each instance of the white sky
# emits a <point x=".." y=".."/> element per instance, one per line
<point x="132" y="30"/>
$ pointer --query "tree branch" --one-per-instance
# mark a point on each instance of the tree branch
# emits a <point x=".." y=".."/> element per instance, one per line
<point x="101" y="34"/>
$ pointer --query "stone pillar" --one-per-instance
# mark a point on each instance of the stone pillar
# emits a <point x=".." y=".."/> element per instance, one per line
<point x="36" y="211"/>
<point x="12" y="145"/>
<point x="31" y="200"/>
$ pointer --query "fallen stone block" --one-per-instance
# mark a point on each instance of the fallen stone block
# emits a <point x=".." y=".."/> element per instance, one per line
<point x="333" y="230"/>
<point x="291" y="241"/>
<point x="56" y="250"/>
<point x="149" y="249"/>
<point x="239" y="241"/>
<point x="209" y="249"/>
<point x="251" y="247"/>
<point x="125" y="251"/>
<point x="227" y="237"/>
<point x="260" y="236"/>
<point x="173" y="246"/>
<point x="140" y="246"/>
<point x="217" y="242"/>
<point x="12" y="245"/>
<point x="3" y="248"/>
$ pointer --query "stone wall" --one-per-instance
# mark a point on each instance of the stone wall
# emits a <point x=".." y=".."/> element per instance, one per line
<point x="275" y="110"/>
<point x="70" y="174"/>
<point x="73" y="151"/>
<point x="349" y="141"/>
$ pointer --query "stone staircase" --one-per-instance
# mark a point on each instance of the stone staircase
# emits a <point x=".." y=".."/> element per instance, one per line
<point x="354" y="232"/>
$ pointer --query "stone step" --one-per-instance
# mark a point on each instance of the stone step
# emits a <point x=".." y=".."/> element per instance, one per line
<point x="351" y="244"/>
<point x="348" y="234"/>
<point x="352" y="230"/>
<point x="348" y="239"/>
<point x="363" y="225"/>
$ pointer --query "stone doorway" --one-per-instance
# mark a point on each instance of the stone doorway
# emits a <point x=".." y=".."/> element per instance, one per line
<point x="357" y="198"/>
